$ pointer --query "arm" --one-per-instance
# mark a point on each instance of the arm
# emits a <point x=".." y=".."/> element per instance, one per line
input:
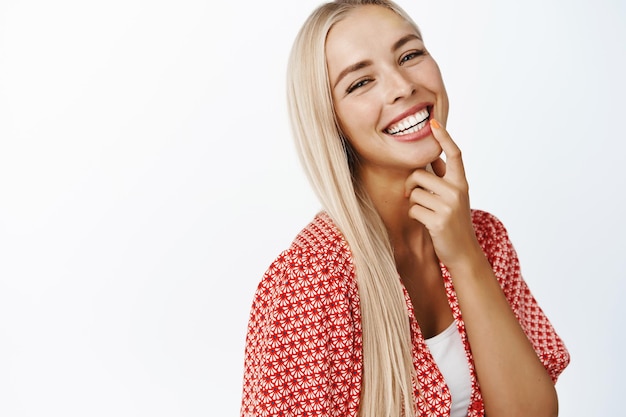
<point x="512" y="378"/>
<point x="513" y="345"/>
<point x="501" y="254"/>
<point x="299" y="348"/>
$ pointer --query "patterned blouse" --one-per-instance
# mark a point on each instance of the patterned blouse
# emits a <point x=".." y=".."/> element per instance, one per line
<point x="304" y="355"/>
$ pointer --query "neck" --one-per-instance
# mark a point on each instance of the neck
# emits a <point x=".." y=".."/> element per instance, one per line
<point x="387" y="195"/>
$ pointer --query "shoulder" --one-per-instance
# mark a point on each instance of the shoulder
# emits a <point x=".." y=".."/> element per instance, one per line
<point x="317" y="261"/>
<point x="489" y="229"/>
<point x="487" y="226"/>
<point x="321" y="236"/>
<point x="493" y="237"/>
<point x="304" y="332"/>
<point x="309" y="289"/>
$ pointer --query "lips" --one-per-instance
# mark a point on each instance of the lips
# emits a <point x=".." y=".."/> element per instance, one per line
<point x="410" y="124"/>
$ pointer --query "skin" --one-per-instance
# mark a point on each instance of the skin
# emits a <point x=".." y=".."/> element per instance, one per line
<point x="427" y="212"/>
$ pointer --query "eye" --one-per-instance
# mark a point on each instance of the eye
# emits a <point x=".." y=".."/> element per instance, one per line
<point x="411" y="55"/>
<point x="358" y="84"/>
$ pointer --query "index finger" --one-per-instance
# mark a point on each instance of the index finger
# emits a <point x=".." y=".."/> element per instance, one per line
<point x="454" y="160"/>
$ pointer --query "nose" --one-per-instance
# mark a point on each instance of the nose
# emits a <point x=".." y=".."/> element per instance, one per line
<point x="399" y="86"/>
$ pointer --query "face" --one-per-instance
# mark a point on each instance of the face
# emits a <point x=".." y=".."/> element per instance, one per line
<point x="385" y="87"/>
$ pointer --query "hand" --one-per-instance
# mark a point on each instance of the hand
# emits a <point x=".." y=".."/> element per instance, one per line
<point x="440" y="201"/>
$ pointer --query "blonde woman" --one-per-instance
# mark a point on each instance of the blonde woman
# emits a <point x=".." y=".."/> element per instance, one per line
<point x="397" y="299"/>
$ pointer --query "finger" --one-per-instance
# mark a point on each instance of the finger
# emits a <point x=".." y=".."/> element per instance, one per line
<point x="425" y="198"/>
<point x="422" y="181"/>
<point x="438" y="167"/>
<point x="454" y="161"/>
<point x="422" y="214"/>
<point x="418" y="179"/>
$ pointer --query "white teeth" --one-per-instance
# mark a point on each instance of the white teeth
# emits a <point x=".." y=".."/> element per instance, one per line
<point x="415" y="128"/>
<point x="410" y="124"/>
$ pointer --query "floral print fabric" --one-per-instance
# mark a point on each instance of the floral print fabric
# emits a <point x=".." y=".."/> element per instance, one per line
<point x="303" y="353"/>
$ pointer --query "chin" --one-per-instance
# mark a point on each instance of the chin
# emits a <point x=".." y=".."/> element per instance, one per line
<point x="423" y="159"/>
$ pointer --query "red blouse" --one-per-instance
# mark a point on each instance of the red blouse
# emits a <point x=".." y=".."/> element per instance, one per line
<point x="304" y="353"/>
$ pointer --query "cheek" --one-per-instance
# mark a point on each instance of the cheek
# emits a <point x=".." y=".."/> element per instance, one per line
<point x="356" y="118"/>
<point x="432" y="80"/>
<point x="344" y="118"/>
<point x="353" y="129"/>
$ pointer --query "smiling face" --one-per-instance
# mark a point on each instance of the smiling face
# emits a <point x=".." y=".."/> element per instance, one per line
<point x="385" y="87"/>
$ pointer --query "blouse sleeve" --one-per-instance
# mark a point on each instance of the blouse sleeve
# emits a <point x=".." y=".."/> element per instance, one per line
<point x="302" y="341"/>
<point x="494" y="238"/>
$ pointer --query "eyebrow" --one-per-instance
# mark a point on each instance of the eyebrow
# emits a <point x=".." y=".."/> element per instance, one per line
<point x="354" y="67"/>
<point x="365" y="63"/>
<point x="404" y="40"/>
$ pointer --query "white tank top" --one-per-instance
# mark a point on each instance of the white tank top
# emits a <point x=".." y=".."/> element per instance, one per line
<point x="449" y="354"/>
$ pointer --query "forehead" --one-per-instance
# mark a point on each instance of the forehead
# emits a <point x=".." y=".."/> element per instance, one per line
<point x="363" y="31"/>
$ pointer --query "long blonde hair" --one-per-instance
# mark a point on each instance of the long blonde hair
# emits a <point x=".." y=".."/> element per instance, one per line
<point x="388" y="372"/>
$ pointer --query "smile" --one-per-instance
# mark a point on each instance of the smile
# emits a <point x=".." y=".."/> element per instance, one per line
<point x="410" y="124"/>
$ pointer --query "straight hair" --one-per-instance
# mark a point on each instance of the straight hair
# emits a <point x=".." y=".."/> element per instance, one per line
<point x="388" y="379"/>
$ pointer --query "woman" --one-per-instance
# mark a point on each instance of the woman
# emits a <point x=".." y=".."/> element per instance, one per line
<point x="397" y="299"/>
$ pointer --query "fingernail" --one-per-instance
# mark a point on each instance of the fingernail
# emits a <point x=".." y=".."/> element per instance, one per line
<point x="434" y="123"/>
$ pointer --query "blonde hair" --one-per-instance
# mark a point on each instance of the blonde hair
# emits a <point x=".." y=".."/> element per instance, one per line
<point x="330" y="163"/>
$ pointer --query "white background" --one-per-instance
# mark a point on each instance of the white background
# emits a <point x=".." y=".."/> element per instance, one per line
<point x="148" y="178"/>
